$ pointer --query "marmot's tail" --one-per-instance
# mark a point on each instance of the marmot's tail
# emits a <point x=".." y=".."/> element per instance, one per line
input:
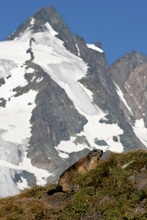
<point x="57" y="189"/>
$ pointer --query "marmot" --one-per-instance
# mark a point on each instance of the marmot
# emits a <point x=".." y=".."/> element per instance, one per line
<point x="86" y="163"/>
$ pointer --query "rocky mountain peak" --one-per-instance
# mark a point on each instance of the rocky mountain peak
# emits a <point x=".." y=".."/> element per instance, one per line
<point x="37" y="23"/>
<point x="122" y="67"/>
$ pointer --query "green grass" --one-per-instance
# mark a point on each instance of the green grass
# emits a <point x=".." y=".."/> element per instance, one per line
<point x="107" y="192"/>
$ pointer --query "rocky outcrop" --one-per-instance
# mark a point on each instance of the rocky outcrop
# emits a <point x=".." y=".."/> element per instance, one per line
<point x="130" y="74"/>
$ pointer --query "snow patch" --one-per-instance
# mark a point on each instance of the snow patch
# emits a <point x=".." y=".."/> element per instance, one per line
<point x="127" y="85"/>
<point x="50" y="29"/>
<point x="94" y="130"/>
<point x="39" y="79"/>
<point x="15" y="117"/>
<point x="70" y="146"/>
<point x="78" y="50"/>
<point x="22" y="184"/>
<point x="94" y="47"/>
<point x="119" y="92"/>
<point x="5" y="67"/>
<point x="17" y="79"/>
<point x="88" y="92"/>
<point x="26" y="36"/>
<point x="40" y="174"/>
<point x="14" y="51"/>
<point x="33" y="78"/>
<point x="32" y="21"/>
<point x="7" y="185"/>
<point x="30" y="70"/>
<point x="141" y="131"/>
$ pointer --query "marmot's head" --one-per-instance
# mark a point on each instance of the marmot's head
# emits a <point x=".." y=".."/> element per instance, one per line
<point x="95" y="155"/>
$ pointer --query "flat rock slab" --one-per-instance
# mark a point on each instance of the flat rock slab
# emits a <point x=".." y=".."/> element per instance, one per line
<point x="57" y="200"/>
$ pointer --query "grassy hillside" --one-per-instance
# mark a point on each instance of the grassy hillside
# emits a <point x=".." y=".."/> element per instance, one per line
<point x="115" y="190"/>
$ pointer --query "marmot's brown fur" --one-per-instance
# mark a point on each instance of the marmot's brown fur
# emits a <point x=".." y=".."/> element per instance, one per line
<point x="86" y="163"/>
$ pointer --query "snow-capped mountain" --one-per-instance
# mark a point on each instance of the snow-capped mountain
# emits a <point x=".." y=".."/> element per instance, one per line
<point x="59" y="99"/>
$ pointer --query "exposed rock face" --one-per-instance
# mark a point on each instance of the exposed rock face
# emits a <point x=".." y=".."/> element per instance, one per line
<point x="51" y="122"/>
<point x="99" y="81"/>
<point x="136" y="91"/>
<point x="59" y="98"/>
<point x="130" y="74"/>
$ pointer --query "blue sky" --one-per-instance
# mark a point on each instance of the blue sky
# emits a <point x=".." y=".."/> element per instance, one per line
<point x="121" y="25"/>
